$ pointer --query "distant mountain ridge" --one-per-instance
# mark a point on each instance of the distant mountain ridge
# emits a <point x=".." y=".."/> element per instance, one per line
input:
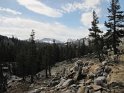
<point x="49" y="40"/>
<point x="81" y="40"/>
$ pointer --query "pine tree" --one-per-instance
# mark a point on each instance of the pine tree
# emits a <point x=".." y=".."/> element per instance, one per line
<point x="79" y="48"/>
<point x="32" y="56"/>
<point x="47" y="59"/>
<point x="21" y="63"/>
<point x="83" y="47"/>
<point x="56" y="52"/>
<point x="115" y="26"/>
<point x="1" y="79"/>
<point x="95" y="34"/>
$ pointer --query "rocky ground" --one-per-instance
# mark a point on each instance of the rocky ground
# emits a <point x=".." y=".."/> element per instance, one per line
<point x="82" y="75"/>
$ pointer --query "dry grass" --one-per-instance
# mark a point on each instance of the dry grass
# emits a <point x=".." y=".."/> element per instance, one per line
<point x="122" y="57"/>
<point x="117" y="74"/>
<point x="93" y="68"/>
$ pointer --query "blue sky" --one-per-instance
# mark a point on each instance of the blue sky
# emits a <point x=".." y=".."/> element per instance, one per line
<point x="59" y="19"/>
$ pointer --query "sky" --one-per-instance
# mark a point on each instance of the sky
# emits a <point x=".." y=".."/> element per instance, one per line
<point x="58" y="19"/>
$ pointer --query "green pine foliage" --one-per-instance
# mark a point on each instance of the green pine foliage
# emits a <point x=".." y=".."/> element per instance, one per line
<point x="30" y="57"/>
<point x="115" y="26"/>
<point x="96" y="37"/>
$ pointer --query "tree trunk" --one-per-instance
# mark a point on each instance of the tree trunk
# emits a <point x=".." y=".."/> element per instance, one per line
<point x="46" y="72"/>
<point x="49" y="71"/>
<point x="32" y="78"/>
<point x="1" y="80"/>
<point x="23" y="72"/>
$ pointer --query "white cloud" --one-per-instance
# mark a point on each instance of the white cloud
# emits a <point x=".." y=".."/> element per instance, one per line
<point x="40" y="8"/>
<point x="86" y="19"/>
<point x="91" y="4"/>
<point x="70" y="7"/>
<point x="86" y="6"/>
<point x="21" y="28"/>
<point x="7" y="10"/>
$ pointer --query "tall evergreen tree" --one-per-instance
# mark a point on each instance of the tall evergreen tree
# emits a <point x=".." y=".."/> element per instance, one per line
<point x="21" y="63"/>
<point x="56" y="52"/>
<point x="115" y="26"/>
<point x="32" y="56"/>
<point x="83" y="48"/>
<point x="79" y="48"/>
<point x="95" y="34"/>
<point x="1" y="79"/>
